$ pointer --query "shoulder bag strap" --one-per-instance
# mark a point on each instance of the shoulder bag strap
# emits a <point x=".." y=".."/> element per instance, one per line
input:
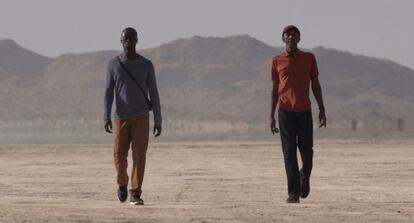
<point x="135" y="81"/>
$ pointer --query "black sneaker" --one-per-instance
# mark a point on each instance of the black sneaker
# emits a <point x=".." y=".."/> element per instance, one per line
<point x="122" y="193"/>
<point x="292" y="198"/>
<point x="136" y="200"/>
<point x="304" y="187"/>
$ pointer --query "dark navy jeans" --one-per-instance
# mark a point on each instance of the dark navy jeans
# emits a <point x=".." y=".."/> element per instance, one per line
<point x="296" y="131"/>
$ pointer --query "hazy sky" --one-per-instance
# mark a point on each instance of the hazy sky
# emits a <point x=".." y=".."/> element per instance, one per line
<point x="379" y="28"/>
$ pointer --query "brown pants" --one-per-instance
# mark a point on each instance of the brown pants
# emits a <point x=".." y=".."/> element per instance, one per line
<point x="133" y="131"/>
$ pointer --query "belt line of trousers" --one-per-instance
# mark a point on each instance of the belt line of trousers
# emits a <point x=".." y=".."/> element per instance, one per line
<point x="134" y="133"/>
<point x="296" y="131"/>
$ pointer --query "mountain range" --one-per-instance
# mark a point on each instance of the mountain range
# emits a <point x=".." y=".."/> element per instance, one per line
<point x="211" y="88"/>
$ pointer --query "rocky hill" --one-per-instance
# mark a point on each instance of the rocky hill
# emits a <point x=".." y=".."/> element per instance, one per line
<point x="211" y="89"/>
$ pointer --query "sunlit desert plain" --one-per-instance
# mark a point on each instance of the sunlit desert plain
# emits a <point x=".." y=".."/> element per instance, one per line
<point x="352" y="181"/>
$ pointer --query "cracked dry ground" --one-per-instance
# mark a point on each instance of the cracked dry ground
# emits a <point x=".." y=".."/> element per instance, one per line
<point x="209" y="182"/>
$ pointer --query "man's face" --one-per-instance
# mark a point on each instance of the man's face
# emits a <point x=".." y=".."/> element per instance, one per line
<point x="128" y="40"/>
<point x="291" y="38"/>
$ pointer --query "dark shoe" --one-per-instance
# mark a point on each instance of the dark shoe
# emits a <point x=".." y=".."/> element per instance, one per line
<point x="122" y="193"/>
<point x="136" y="200"/>
<point x="292" y="199"/>
<point x="304" y="187"/>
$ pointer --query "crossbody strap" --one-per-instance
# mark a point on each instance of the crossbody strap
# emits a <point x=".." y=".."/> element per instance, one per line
<point x="135" y="81"/>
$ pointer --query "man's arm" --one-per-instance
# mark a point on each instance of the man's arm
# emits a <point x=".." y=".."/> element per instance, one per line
<point x="109" y="97"/>
<point x="317" y="92"/>
<point x="155" y="99"/>
<point x="275" y="96"/>
<point x="275" y="99"/>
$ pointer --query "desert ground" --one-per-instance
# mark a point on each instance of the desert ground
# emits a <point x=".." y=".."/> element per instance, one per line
<point x="352" y="181"/>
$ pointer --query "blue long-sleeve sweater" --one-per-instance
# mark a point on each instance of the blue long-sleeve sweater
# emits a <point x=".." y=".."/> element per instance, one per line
<point x="129" y="99"/>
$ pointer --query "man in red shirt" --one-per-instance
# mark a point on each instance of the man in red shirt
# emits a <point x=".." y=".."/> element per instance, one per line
<point x="293" y="71"/>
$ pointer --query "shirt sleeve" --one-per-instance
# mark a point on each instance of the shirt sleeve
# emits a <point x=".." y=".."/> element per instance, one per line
<point x="274" y="73"/>
<point x="154" y="96"/>
<point x="109" y="92"/>
<point x="314" y="67"/>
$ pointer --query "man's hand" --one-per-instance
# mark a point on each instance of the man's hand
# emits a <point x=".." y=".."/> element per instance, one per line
<point x="322" y="119"/>
<point x="108" y="126"/>
<point x="273" y="127"/>
<point x="157" y="130"/>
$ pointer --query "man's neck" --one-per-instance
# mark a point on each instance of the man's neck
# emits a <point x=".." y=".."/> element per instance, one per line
<point x="129" y="55"/>
<point x="292" y="50"/>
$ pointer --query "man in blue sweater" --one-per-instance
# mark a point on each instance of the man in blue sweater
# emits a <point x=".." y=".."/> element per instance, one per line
<point x="130" y="77"/>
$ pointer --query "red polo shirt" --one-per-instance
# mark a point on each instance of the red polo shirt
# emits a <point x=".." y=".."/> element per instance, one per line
<point x="294" y="74"/>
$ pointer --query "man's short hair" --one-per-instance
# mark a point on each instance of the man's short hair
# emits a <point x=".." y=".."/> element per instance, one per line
<point x="130" y="30"/>
<point x="290" y="27"/>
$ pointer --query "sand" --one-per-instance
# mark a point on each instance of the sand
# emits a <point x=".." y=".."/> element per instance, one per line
<point x="208" y="182"/>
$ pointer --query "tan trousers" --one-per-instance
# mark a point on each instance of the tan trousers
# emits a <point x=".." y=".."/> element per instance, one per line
<point x="134" y="132"/>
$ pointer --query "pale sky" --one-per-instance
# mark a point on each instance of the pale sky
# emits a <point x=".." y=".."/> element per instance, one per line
<point x="378" y="28"/>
